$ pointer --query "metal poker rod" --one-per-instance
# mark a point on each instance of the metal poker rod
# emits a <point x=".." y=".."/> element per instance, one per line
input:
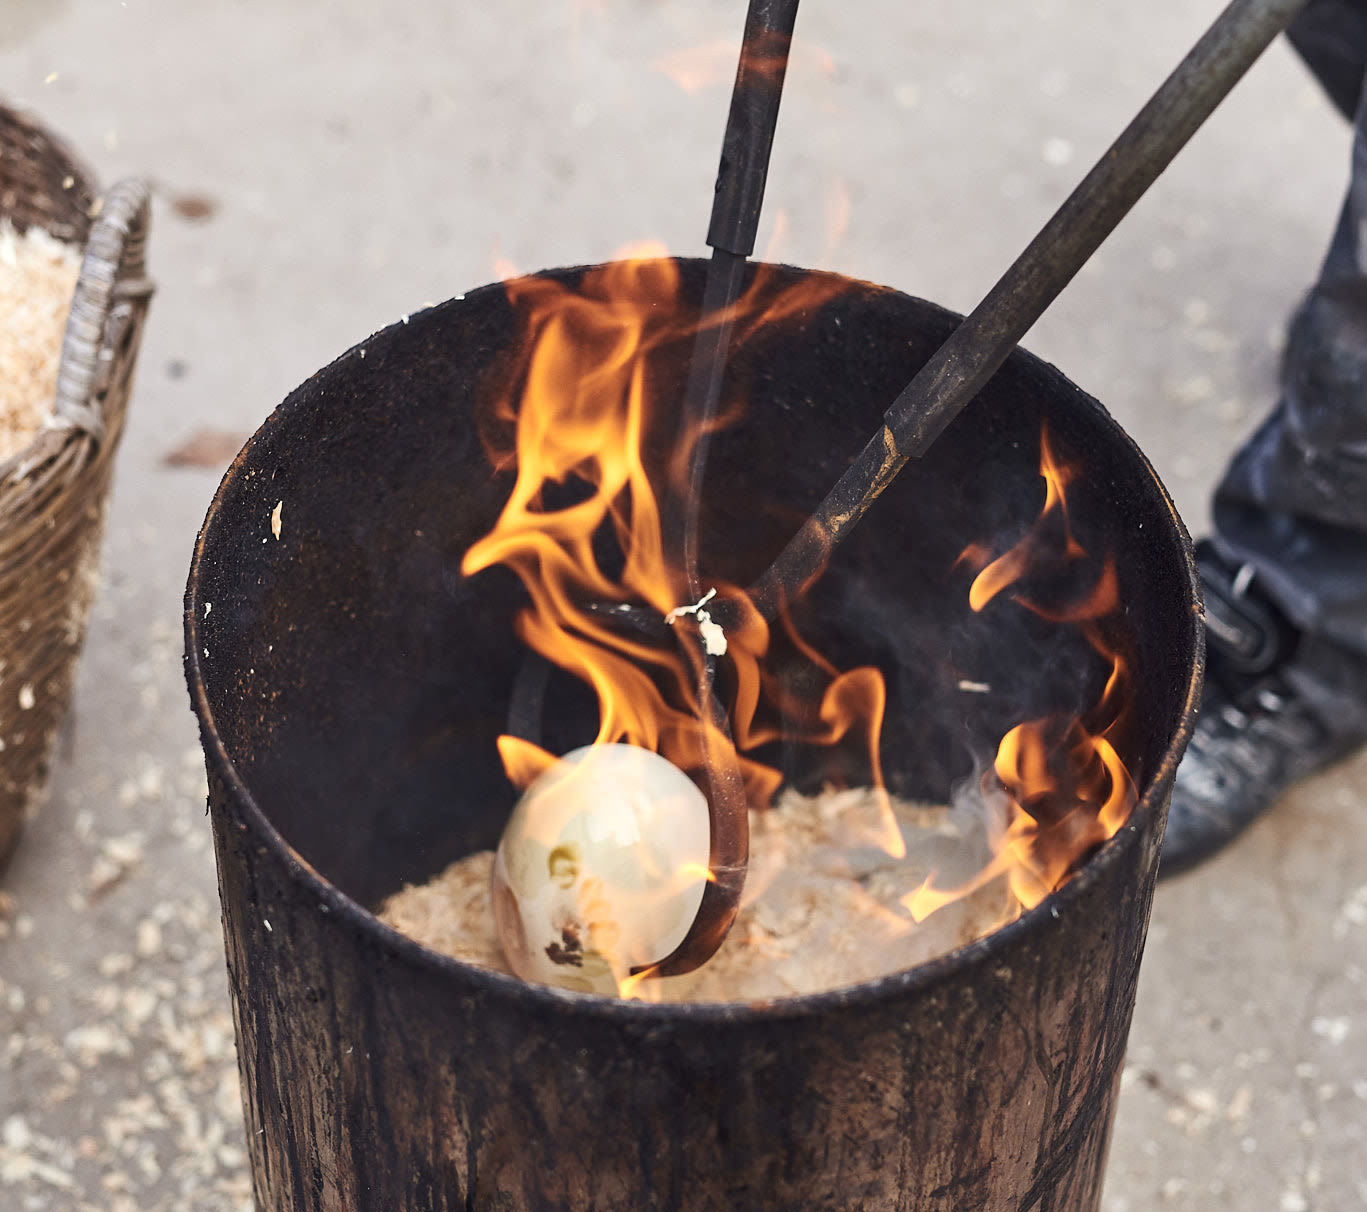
<point x="982" y="342"/>
<point x="744" y="167"/>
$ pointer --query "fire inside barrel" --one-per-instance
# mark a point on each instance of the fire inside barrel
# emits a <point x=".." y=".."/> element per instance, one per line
<point x="583" y="412"/>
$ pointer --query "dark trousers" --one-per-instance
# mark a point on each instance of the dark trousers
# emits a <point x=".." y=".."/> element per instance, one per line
<point x="1293" y="503"/>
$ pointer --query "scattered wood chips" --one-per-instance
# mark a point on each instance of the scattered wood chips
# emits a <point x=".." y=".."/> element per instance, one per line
<point x="823" y="901"/>
<point x="37" y="279"/>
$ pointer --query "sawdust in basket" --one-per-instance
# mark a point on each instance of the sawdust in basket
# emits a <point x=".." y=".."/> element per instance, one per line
<point x="822" y="905"/>
<point x="37" y="279"/>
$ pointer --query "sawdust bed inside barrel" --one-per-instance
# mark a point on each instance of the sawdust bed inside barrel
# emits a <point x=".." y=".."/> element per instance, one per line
<point x="37" y="281"/>
<point x="823" y="906"/>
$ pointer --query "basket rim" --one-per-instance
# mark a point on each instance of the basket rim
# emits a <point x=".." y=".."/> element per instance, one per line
<point x="111" y="279"/>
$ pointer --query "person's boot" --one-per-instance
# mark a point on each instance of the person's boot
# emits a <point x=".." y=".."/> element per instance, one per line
<point x="1278" y="706"/>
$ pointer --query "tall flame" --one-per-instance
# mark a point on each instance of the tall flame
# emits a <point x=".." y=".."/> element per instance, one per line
<point x="577" y="413"/>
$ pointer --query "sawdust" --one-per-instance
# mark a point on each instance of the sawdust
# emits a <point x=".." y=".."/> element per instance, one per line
<point x="37" y="280"/>
<point x="822" y="907"/>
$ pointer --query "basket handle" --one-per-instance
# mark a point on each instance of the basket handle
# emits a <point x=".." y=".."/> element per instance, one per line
<point x="112" y="292"/>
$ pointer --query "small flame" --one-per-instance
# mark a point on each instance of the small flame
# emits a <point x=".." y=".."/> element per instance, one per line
<point x="839" y="205"/>
<point x="713" y="63"/>
<point x="1066" y="788"/>
<point x="522" y="760"/>
<point x="697" y="871"/>
<point x="778" y="236"/>
<point x="698" y="67"/>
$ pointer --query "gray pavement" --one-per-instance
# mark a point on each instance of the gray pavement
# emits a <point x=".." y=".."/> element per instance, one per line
<point x="323" y="166"/>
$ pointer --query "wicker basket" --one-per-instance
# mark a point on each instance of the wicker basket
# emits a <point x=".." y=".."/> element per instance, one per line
<point x="53" y="492"/>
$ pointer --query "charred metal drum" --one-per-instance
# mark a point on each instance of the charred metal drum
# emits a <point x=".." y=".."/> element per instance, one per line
<point x="350" y="684"/>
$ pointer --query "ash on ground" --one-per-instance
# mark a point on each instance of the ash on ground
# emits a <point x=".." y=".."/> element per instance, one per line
<point x="823" y="901"/>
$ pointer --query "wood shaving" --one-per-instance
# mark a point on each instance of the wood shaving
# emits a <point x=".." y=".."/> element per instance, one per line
<point x="116" y="858"/>
<point x="822" y="904"/>
<point x="37" y="280"/>
<point x="130" y="1097"/>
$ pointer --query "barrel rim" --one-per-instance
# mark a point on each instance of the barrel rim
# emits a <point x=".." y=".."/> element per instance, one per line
<point x="1149" y="811"/>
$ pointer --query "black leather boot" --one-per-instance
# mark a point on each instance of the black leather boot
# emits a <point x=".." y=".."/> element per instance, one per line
<point x="1278" y="707"/>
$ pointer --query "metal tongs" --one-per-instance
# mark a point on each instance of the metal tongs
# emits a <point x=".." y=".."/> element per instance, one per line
<point x="943" y="386"/>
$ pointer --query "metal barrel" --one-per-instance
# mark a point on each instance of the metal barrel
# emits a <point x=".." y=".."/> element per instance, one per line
<point x="350" y="683"/>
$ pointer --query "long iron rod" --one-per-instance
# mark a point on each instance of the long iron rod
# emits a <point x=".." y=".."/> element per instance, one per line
<point x="737" y="200"/>
<point x="739" y="195"/>
<point x="982" y="342"/>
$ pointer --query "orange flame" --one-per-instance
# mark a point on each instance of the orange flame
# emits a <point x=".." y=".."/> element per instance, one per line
<point x="839" y="204"/>
<point x="1066" y="788"/>
<point x="698" y="67"/>
<point x="574" y="427"/>
<point x="576" y="410"/>
<point x="713" y="63"/>
<point x="584" y="526"/>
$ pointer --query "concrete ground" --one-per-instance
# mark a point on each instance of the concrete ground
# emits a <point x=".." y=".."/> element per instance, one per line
<point x="323" y="166"/>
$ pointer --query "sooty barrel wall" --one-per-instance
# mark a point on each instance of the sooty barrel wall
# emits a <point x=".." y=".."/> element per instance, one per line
<point x="349" y="684"/>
